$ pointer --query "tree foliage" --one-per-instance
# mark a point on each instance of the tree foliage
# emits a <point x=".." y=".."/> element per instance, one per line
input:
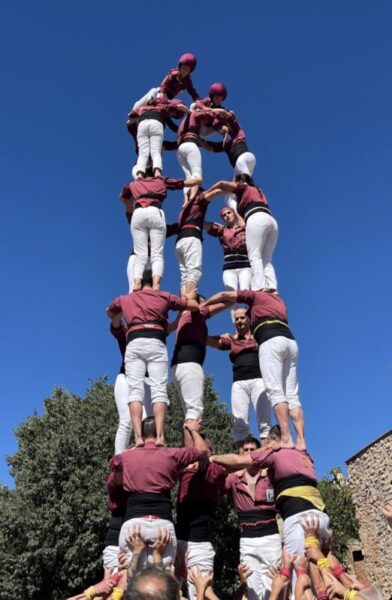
<point x="340" y="509"/>
<point x="53" y="522"/>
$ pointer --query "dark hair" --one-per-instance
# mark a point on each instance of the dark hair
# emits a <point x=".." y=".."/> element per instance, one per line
<point x="275" y="433"/>
<point x="250" y="440"/>
<point x="168" y="587"/>
<point x="245" y="178"/>
<point x="148" y="428"/>
<point x="147" y="278"/>
<point x="200" y="297"/>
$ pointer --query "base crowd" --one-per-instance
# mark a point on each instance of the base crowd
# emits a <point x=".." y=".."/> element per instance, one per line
<point x="285" y="535"/>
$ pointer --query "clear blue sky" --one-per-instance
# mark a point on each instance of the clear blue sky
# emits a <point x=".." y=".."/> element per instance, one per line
<point x="309" y="81"/>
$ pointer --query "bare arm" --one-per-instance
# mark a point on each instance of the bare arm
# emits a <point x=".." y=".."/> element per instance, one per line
<point x="226" y="297"/>
<point x="232" y="460"/>
<point x="173" y="325"/>
<point x="207" y="225"/>
<point x="213" y="341"/>
<point x="217" y="308"/>
<point x="240" y="220"/>
<point x="211" y="194"/>
<point x="225" y="186"/>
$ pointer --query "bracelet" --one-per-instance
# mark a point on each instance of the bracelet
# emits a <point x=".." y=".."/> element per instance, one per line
<point x="350" y="594"/>
<point x="338" y="570"/>
<point x="285" y="572"/>
<point x="117" y="594"/>
<point x="90" y="592"/>
<point x="300" y="572"/>
<point x="323" y="563"/>
<point x="311" y="542"/>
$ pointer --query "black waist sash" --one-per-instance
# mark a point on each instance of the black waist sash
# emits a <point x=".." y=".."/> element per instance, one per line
<point x="188" y="352"/>
<point x="152" y="114"/>
<point x="192" y="228"/>
<point x="113" y="531"/>
<point x="235" y="150"/>
<point x="254" y="207"/>
<point x="147" y="332"/>
<point x="269" y="327"/>
<point x="235" y="259"/>
<point x="291" y="505"/>
<point x="194" y="518"/>
<point x="246" y="365"/>
<point x="141" y="504"/>
<point x="257" y="523"/>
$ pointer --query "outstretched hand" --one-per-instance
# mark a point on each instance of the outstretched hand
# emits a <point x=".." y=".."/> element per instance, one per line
<point x="135" y="541"/>
<point x="201" y="582"/>
<point x="161" y="542"/>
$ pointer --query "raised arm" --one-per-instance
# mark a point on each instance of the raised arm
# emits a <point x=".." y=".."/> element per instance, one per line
<point x="225" y="186"/>
<point x="232" y="460"/>
<point x="211" y="194"/>
<point x="213" y="341"/>
<point x="227" y="297"/>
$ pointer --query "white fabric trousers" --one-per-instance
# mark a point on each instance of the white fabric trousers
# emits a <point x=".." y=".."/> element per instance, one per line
<point x="121" y="394"/>
<point x="146" y="354"/>
<point x="110" y="557"/>
<point x="192" y="554"/>
<point x="149" y="141"/>
<point x="278" y="359"/>
<point x="245" y="165"/>
<point x="259" y="554"/>
<point x="189" y="157"/>
<point x="144" y="99"/>
<point x="148" y="224"/>
<point x="261" y="233"/>
<point x="237" y="279"/>
<point x="293" y="533"/>
<point x="189" y="252"/>
<point x="188" y="379"/>
<point x="131" y="269"/>
<point x="149" y="532"/>
<point x="242" y="393"/>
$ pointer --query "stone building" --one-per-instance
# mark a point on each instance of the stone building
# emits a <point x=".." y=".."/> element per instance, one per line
<point x="369" y="476"/>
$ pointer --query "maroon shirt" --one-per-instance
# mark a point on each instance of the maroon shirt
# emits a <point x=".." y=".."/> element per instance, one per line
<point x="189" y="128"/>
<point x="237" y="344"/>
<point x="236" y="484"/>
<point x="197" y="484"/>
<point x="151" y="469"/>
<point x="268" y="315"/>
<point x="244" y="356"/>
<point x="284" y="462"/>
<point x="230" y="238"/>
<point x="120" y="334"/>
<point x="249" y="198"/>
<point x="161" y="109"/>
<point x="153" y="190"/>
<point x="236" y="133"/>
<point x="192" y="326"/>
<point x="147" y="309"/>
<point x="173" y="85"/>
<point x="191" y="218"/>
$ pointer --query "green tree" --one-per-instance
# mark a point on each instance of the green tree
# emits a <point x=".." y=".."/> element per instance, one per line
<point x="53" y="522"/>
<point x="340" y="508"/>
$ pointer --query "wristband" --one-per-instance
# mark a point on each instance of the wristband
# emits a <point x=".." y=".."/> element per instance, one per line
<point x="300" y="572"/>
<point x="323" y="563"/>
<point x="89" y="593"/>
<point x="311" y="542"/>
<point x="117" y="594"/>
<point x="350" y="594"/>
<point x="338" y="570"/>
<point x="285" y="572"/>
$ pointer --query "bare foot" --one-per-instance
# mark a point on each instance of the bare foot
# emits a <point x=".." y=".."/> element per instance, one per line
<point x="159" y="442"/>
<point x="300" y="445"/>
<point x="287" y="442"/>
<point x="156" y="287"/>
<point x="137" y="285"/>
<point x="139" y="442"/>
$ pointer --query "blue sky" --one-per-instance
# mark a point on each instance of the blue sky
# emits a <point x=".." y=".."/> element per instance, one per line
<point x="309" y="82"/>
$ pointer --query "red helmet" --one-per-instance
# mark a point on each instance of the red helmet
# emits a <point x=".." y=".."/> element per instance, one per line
<point x="218" y="89"/>
<point x="188" y="59"/>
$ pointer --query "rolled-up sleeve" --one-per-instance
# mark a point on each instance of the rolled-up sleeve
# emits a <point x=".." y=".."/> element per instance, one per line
<point x="263" y="458"/>
<point x="215" y="230"/>
<point x="246" y="296"/>
<point x="115" y="306"/>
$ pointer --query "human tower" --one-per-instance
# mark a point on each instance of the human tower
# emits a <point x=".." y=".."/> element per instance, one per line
<point x="262" y="348"/>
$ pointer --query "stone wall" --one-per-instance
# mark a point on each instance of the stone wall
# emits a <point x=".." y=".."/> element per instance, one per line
<point x="370" y="481"/>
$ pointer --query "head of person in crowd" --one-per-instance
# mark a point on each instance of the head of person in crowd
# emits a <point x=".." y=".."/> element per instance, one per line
<point x="274" y="437"/>
<point x="147" y="278"/>
<point x="153" y="584"/>
<point x="186" y="64"/>
<point x="241" y="321"/>
<point x="149" y="431"/>
<point x="217" y="94"/>
<point x="228" y="215"/>
<point x="249" y="444"/>
<point x="246" y="179"/>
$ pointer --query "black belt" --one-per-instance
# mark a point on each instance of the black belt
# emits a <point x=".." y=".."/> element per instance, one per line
<point x="152" y="114"/>
<point x="255" y="209"/>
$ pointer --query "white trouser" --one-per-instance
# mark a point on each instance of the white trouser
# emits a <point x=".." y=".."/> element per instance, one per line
<point x="131" y="269"/>
<point x="124" y="429"/>
<point x="110" y="557"/>
<point x="188" y="379"/>
<point x="146" y="354"/>
<point x="245" y="165"/>
<point x="144" y="99"/>
<point x="278" y="363"/>
<point x="192" y="554"/>
<point x="242" y="393"/>
<point x="189" y="157"/>
<point x="237" y="279"/>
<point x="189" y="251"/>
<point x="149" y="141"/>
<point x="149" y="532"/>
<point x="293" y="533"/>
<point x="148" y="224"/>
<point x="259" y="554"/>
<point x="261" y="233"/>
